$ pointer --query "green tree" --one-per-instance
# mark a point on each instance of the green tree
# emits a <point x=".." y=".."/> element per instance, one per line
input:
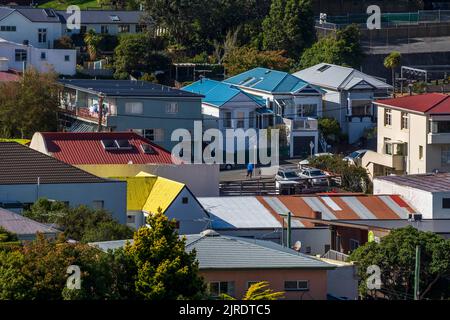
<point x="392" y="62"/>
<point x="138" y="54"/>
<point x="258" y="291"/>
<point x="29" y="105"/>
<point x="165" y="269"/>
<point x="330" y="128"/>
<point x="242" y="59"/>
<point x="289" y="26"/>
<point x="344" y="49"/>
<point x="92" y="41"/>
<point x="395" y="255"/>
<point x="6" y="236"/>
<point x="46" y="211"/>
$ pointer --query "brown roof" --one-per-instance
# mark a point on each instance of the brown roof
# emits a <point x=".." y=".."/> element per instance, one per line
<point x="21" y="165"/>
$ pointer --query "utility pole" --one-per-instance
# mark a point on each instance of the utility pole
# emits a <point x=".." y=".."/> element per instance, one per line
<point x="289" y="235"/>
<point x="417" y="274"/>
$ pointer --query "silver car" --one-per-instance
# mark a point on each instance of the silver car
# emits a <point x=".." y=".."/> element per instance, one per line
<point x="315" y="177"/>
<point x="287" y="175"/>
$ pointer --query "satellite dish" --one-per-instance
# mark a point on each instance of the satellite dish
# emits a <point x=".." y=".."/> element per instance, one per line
<point x="297" y="246"/>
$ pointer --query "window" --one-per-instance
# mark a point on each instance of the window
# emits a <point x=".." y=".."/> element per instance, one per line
<point x="354" y="244"/>
<point x="66" y="58"/>
<point x="445" y="155"/>
<point x="240" y="119"/>
<point x="387" y="117"/>
<point x="124" y="28"/>
<point x="251" y="119"/>
<point x="21" y="55"/>
<point x="104" y="29"/>
<point x="421" y="152"/>
<point x="299" y="285"/>
<point x="156" y="135"/>
<point x="140" y="28"/>
<point x="405" y="118"/>
<point x="8" y="28"/>
<point x="98" y="204"/>
<point x="387" y="146"/>
<point x="43" y="56"/>
<point x="361" y="108"/>
<point x="309" y="110"/>
<point x="131" y="219"/>
<point x="172" y="107"/>
<point x="134" y="108"/>
<point x="216" y="288"/>
<point x="227" y="119"/>
<point x="42" y="35"/>
<point x="185" y="200"/>
<point x="445" y="203"/>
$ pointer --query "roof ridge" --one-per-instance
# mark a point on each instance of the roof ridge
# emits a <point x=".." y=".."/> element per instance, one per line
<point x="445" y="97"/>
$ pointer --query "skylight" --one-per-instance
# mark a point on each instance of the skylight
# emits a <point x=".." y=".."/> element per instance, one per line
<point x="323" y="68"/>
<point x="49" y="12"/>
<point x="114" y="18"/>
<point x="147" y="149"/>
<point x="109" y="144"/>
<point x="123" y="144"/>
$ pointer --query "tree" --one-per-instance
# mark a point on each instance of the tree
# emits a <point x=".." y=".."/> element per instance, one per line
<point x="289" y="26"/>
<point x="6" y="236"/>
<point x="65" y="42"/>
<point x="345" y="49"/>
<point x="138" y="54"/>
<point x="395" y="256"/>
<point x="92" y="41"/>
<point x="245" y="58"/>
<point x="29" y="105"/>
<point x="165" y="269"/>
<point x="258" y="291"/>
<point x="330" y="128"/>
<point x="392" y="61"/>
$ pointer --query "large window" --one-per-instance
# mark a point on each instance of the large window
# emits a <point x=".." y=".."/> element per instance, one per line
<point x="134" y="108"/>
<point x="387" y="117"/>
<point x="405" y="119"/>
<point x="445" y="155"/>
<point x="141" y="28"/>
<point x="21" y="55"/>
<point x="361" y="108"/>
<point x="156" y="135"/>
<point x="216" y="288"/>
<point x="104" y="29"/>
<point x="307" y="110"/>
<point x="42" y="35"/>
<point x="124" y="28"/>
<point x="298" y="285"/>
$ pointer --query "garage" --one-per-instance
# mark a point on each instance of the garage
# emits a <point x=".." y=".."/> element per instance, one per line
<point x="301" y="146"/>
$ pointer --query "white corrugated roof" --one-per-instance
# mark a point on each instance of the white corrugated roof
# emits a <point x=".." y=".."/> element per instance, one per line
<point x="338" y="77"/>
<point x="238" y="212"/>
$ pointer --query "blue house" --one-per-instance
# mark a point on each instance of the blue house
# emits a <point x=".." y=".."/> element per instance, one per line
<point x="151" y="110"/>
<point x="294" y="102"/>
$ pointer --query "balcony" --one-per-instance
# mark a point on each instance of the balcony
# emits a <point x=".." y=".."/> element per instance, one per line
<point x="439" y="138"/>
<point x="84" y="114"/>
<point x="301" y="124"/>
<point x="396" y="162"/>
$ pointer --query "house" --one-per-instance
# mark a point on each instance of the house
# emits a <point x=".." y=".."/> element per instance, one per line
<point x="18" y="56"/>
<point x="429" y="194"/>
<point x="23" y="227"/>
<point x="229" y="265"/>
<point x="27" y="175"/>
<point x="41" y="27"/>
<point x="413" y="136"/>
<point x="293" y="101"/>
<point x="147" y="194"/>
<point x="152" y="110"/>
<point x="299" y="276"/>
<point x="89" y="152"/>
<point x="313" y="218"/>
<point x="348" y="97"/>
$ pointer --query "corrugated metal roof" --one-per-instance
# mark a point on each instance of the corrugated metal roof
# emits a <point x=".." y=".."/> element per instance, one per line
<point x="22" y="226"/>
<point x="439" y="182"/>
<point x="21" y="165"/>
<point x="225" y="252"/>
<point x="337" y="77"/>
<point x="86" y="148"/>
<point x="238" y="212"/>
<point x="430" y="103"/>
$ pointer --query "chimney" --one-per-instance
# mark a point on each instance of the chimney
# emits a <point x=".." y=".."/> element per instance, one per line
<point x="318" y="215"/>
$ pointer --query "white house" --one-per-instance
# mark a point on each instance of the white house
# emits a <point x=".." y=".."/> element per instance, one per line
<point x="19" y="56"/>
<point x="348" y="96"/>
<point x="293" y="102"/>
<point x="428" y="194"/>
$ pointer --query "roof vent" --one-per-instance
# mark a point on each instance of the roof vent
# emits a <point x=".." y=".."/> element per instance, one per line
<point x="209" y="233"/>
<point x="323" y="68"/>
<point x="123" y="144"/>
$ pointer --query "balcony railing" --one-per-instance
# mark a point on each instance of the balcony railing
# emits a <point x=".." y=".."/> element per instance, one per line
<point x="396" y="162"/>
<point x="439" y="138"/>
<point x="302" y="124"/>
<point x="84" y="113"/>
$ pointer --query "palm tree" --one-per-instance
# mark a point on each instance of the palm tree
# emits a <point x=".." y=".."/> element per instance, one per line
<point x="392" y="61"/>
<point x="258" y="291"/>
<point x="92" y="41"/>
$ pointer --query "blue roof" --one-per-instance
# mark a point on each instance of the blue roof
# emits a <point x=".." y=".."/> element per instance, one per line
<point x="268" y="80"/>
<point x="218" y="93"/>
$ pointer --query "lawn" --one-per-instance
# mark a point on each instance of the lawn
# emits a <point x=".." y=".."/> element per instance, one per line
<point x="63" y="4"/>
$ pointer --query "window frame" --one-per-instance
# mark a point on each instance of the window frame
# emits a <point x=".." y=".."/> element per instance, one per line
<point x="42" y="35"/>
<point x="404" y="121"/>
<point x="387" y="117"/>
<point x="130" y="108"/>
<point x="23" y="54"/>
<point x="172" y="107"/>
<point x="298" y="288"/>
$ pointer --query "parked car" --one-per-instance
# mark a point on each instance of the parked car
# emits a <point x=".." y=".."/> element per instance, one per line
<point x="305" y="162"/>
<point x="287" y="175"/>
<point x="227" y="166"/>
<point x="355" y="157"/>
<point x="315" y="177"/>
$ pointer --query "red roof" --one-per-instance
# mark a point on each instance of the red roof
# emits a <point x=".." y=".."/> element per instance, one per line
<point x="6" y="76"/>
<point x="87" y="148"/>
<point x="431" y="103"/>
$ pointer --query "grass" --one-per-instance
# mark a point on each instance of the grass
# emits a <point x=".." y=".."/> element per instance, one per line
<point x="63" y="4"/>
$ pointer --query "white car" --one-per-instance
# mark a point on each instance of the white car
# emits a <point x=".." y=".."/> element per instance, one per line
<point x="355" y="157"/>
<point x="316" y="177"/>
